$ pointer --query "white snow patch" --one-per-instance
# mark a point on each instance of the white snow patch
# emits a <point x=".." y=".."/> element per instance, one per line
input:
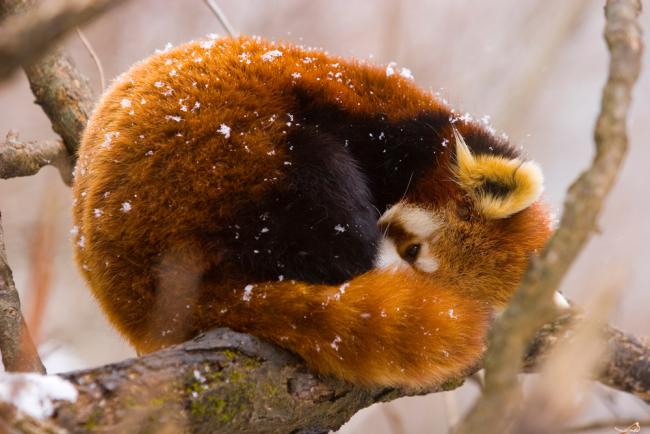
<point x="390" y="69"/>
<point x="270" y="56"/>
<point x="97" y="212"/>
<point x="126" y="207"/>
<point x="225" y="130"/>
<point x="207" y="44"/>
<point x="173" y="118"/>
<point x="341" y="291"/>
<point x="125" y="102"/>
<point x="199" y="376"/>
<point x="296" y="75"/>
<point x="340" y="229"/>
<point x="248" y="292"/>
<point x="168" y="46"/>
<point x="108" y="139"/>
<point x="335" y="343"/>
<point x="34" y="394"/>
<point x="406" y="73"/>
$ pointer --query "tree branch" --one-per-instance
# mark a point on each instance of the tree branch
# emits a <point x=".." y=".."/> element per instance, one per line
<point x="532" y="304"/>
<point x="229" y="382"/>
<point x="60" y="89"/>
<point x="25" y="37"/>
<point x="18" y="351"/>
<point x="27" y="158"/>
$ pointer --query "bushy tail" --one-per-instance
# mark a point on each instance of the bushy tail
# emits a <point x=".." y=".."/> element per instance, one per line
<point x="388" y="327"/>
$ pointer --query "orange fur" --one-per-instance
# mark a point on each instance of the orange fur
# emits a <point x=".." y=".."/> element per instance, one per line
<point x="160" y="187"/>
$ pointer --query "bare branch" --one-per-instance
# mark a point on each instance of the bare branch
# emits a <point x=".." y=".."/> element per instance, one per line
<point x="532" y="305"/>
<point x="95" y="57"/>
<point x="18" y="350"/>
<point x="222" y="382"/>
<point x="229" y="382"/>
<point x="27" y="158"/>
<point x="221" y="16"/>
<point x="25" y="37"/>
<point x="626" y="366"/>
<point x="60" y="89"/>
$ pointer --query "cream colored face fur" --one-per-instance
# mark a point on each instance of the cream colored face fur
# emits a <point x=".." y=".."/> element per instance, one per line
<point x="497" y="186"/>
<point x="417" y="227"/>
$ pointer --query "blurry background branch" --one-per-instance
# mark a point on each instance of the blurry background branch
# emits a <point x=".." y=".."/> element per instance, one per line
<point x="24" y="37"/>
<point x="532" y="305"/>
<point x="18" y="350"/>
<point x="60" y="89"/>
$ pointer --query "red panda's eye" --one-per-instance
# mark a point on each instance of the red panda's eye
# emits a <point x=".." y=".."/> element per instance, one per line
<point x="463" y="212"/>
<point x="411" y="253"/>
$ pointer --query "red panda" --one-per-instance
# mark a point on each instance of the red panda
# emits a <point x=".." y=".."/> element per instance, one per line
<point x="243" y="183"/>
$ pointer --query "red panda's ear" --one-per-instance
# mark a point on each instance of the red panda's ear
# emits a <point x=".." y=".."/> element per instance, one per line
<point x="498" y="186"/>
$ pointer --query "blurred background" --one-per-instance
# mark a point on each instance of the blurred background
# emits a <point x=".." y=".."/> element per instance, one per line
<point x="536" y="67"/>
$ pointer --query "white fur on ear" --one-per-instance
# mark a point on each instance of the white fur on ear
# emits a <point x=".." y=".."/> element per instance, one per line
<point x="519" y="183"/>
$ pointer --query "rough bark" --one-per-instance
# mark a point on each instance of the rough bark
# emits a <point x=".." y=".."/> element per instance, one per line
<point x="60" y="89"/>
<point x="18" y="351"/>
<point x="222" y="382"/>
<point x="229" y="382"/>
<point x="27" y="158"/>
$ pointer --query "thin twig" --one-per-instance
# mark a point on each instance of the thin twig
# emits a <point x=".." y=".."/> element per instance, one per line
<point x="221" y="16"/>
<point x="25" y="37"/>
<point x="532" y="304"/>
<point x="60" y="89"/>
<point x="95" y="57"/>
<point x="18" y="351"/>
